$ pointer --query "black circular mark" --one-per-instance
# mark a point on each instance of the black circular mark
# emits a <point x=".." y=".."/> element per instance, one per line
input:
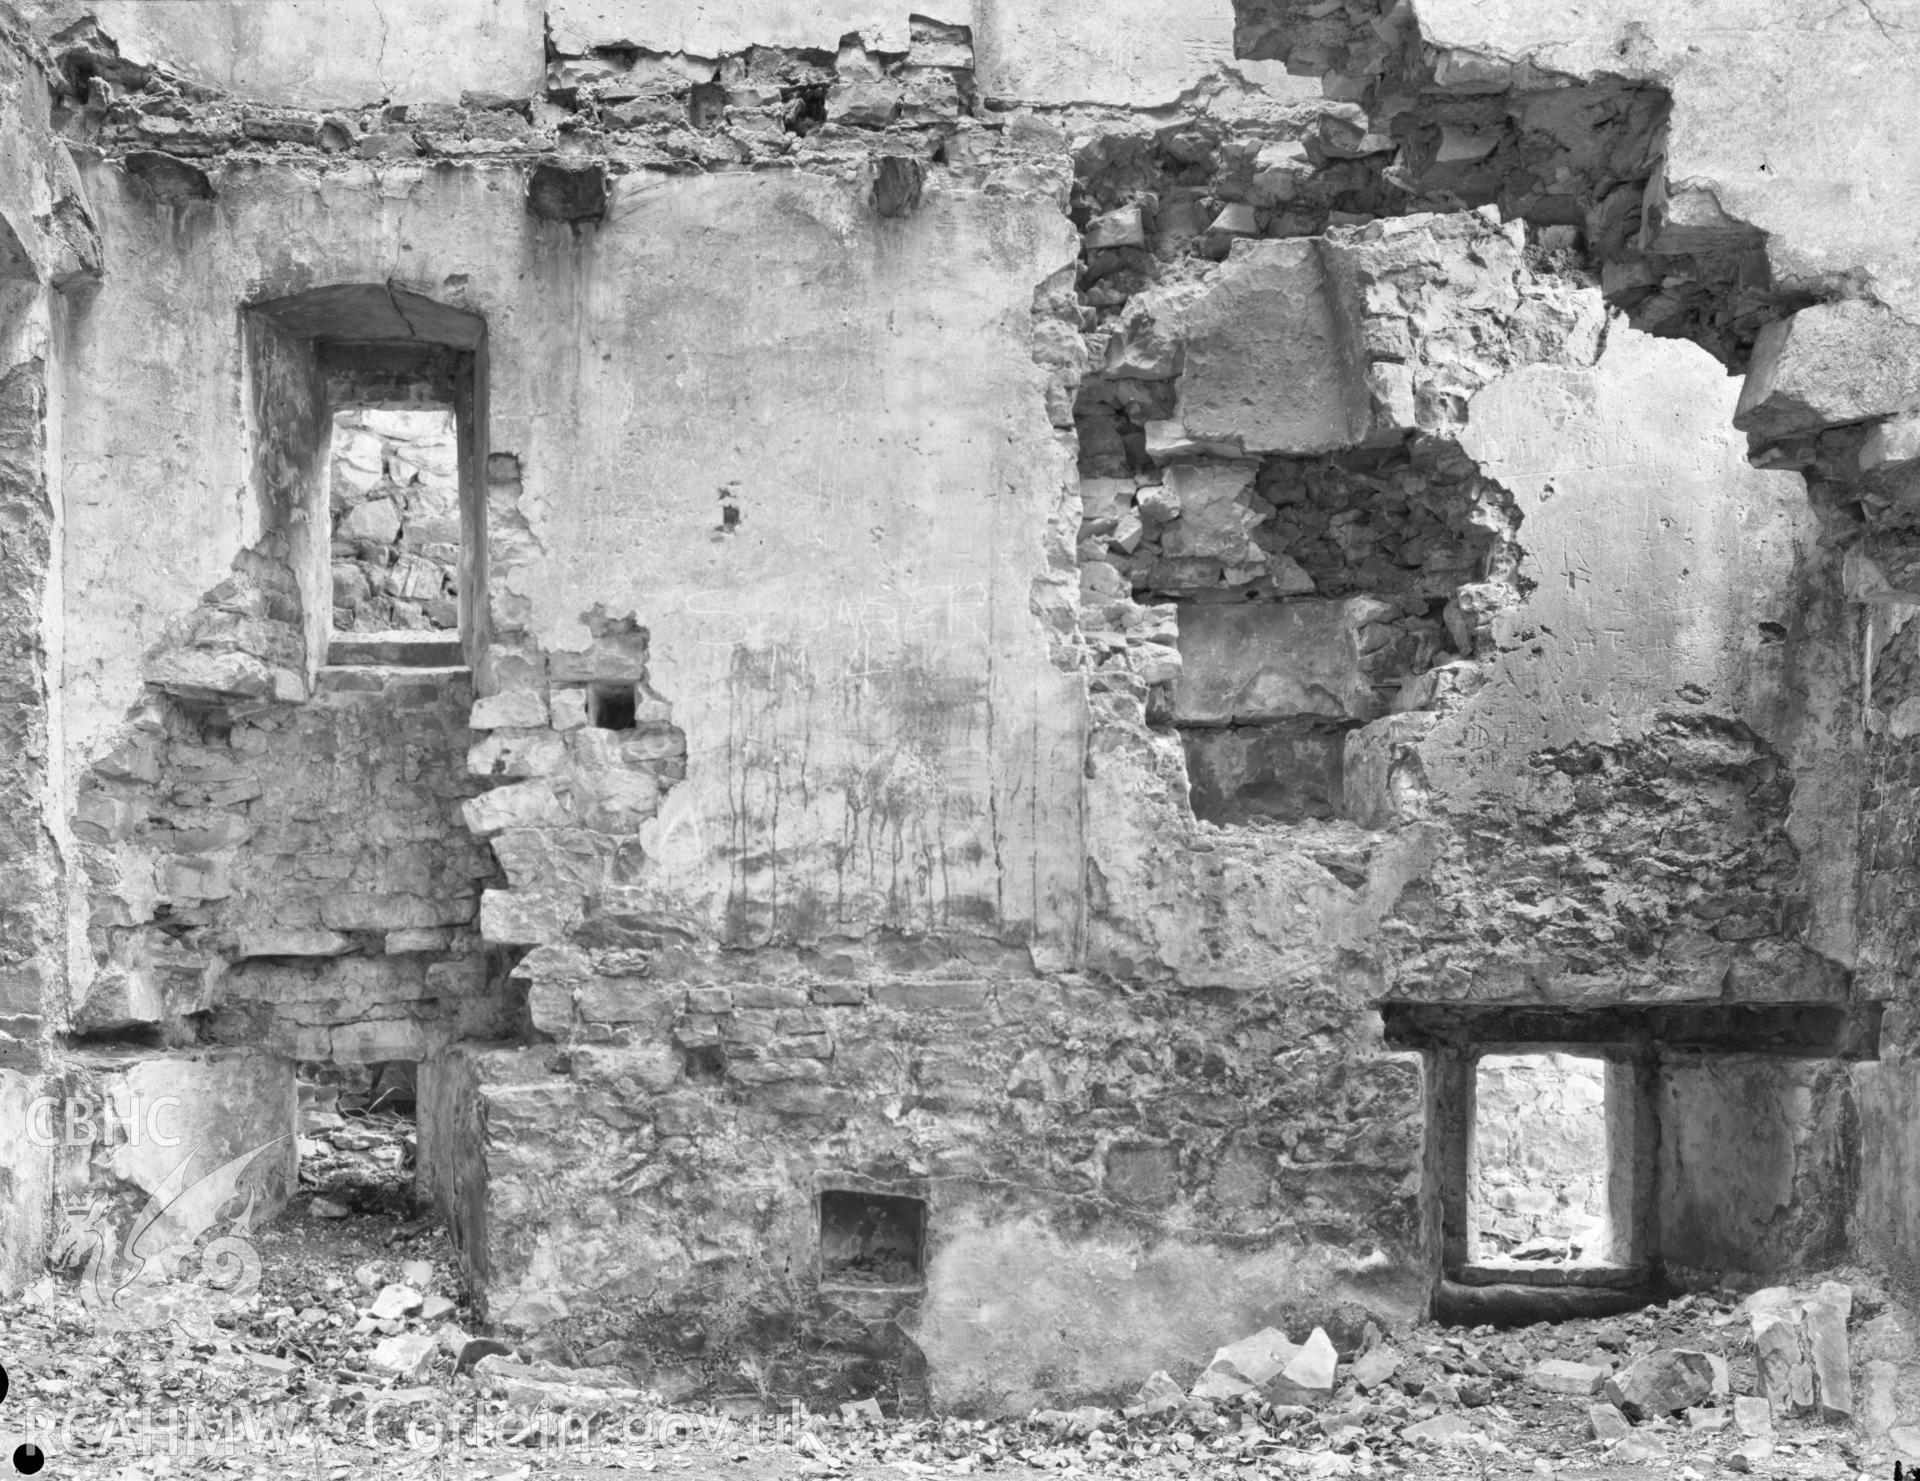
<point x="3" y="1381"/>
<point x="27" y="1459"/>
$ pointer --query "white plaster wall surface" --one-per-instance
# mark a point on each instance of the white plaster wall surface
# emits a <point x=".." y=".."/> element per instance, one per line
<point x="1658" y="552"/>
<point x="860" y="680"/>
<point x="712" y="28"/>
<point x="1125" y="53"/>
<point x="326" y="53"/>
<point x="862" y="644"/>
<point x="1798" y="115"/>
<point x="1009" y="1301"/>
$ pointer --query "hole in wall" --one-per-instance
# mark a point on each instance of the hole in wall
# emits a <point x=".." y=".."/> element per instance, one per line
<point x="358" y="1134"/>
<point x="706" y="106"/>
<point x="872" y="1239"/>
<point x="611" y="706"/>
<point x="1281" y="773"/>
<point x="1541" y="1161"/>
<point x="806" y="108"/>
<point x="706" y="1064"/>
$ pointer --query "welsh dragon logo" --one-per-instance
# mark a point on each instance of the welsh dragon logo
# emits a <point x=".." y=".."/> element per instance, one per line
<point x="124" y="1282"/>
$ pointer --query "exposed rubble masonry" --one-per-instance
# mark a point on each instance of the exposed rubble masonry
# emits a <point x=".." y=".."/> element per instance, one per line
<point x="1036" y="631"/>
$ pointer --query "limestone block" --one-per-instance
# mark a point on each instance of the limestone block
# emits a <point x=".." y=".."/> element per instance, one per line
<point x="1168" y="440"/>
<point x="349" y="911"/>
<point x="1309" y="1374"/>
<point x="618" y="801"/>
<point x="1608" y="1423"/>
<point x="625" y="1000"/>
<point x="377" y="522"/>
<point x="1878" y="1410"/>
<point x="539" y="803"/>
<point x="526" y="754"/>
<point x="1215" y="522"/>
<point x="381" y="1039"/>
<point x="1662" y="1382"/>
<point x="517" y="709"/>
<point x="1826" y="1322"/>
<point x="1121" y="228"/>
<point x="1562" y="1376"/>
<point x="1752" y="1417"/>
<point x="1785" y="1375"/>
<point x="1828" y="365"/>
<point x="1145" y="345"/>
<point x="164" y="1121"/>
<point x="1268" y="355"/>
<point x="403" y="1355"/>
<point x="199" y="671"/>
<point x="289" y="941"/>
<point x="526" y="917"/>
<point x="1279" y="170"/>
<point x="653" y="1068"/>
<point x="1893" y="443"/>
<point x="1258" y="1358"/>
<point x="121" y="996"/>
<point x="1247" y="664"/>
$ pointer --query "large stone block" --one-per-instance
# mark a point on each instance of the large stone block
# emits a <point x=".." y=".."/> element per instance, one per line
<point x="133" y="1125"/>
<point x="1270" y="356"/>
<point x="1215" y="521"/>
<point x="525" y="1161"/>
<point x="1828" y="365"/>
<point x="1252" y="664"/>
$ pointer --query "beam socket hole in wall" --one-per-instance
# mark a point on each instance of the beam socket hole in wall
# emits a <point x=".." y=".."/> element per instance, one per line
<point x="872" y="1240"/>
<point x="612" y="706"/>
<point x="706" y="1064"/>
<point x="1541" y="1162"/>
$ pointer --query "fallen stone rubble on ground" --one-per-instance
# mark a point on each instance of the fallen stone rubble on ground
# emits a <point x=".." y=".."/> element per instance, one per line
<point x="357" y="1332"/>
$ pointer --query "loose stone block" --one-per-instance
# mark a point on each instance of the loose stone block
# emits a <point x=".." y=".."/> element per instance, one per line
<point x="1308" y="1376"/>
<point x="1826" y="1323"/>
<point x="1828" y="365"/>
<point x="1662" y="1382"/>
<point x="1561" y="1376"/>
<point x="1608" y="1423"/>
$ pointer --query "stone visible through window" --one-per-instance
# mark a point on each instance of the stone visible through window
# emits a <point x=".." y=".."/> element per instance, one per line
<point x="394" y="500"/>
<point x="1538" y="1178"/>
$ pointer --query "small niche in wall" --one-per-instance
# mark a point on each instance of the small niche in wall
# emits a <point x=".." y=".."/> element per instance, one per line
<point x="611" y="706"/>
<point x="872" y="1240"/>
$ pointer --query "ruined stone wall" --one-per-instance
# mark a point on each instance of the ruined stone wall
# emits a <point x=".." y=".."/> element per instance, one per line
<point x="1035" y="578"/>
<point x="294" y="877"/>
<point x="1889" y="917"/>
<point x="48" y="250"/>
